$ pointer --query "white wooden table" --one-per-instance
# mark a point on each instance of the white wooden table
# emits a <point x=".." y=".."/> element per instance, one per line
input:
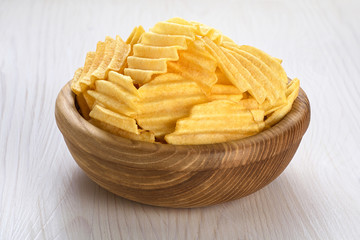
<point x="45" y="195"/>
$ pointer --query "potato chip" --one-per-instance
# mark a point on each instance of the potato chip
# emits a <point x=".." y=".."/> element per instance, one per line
<point x="90" y="101"/>
<point x="231" y="72"/>
<point x="225" y="92"/>
<point x="84" y="108"/>
<point x="197" y="65"/>
<point x="206" y="31"/>
<point x="221" y="77"/>
<point x="160" y="40"/>
<point x="175" y="95"/>
<point x="123" y="81"/>
<point x="268" y="60"/>
<point x="143" y="135"/>
<point x="171" y="28"/>
<point x="112" y="103"/>
<point x="75" y="87"/>
<point x="99" y="54"/>
<point x="135" y="35"/>
<point x="256" y="89"/>
<point x="291" y="94"/>
<point x="273" y="84"/>
<point x="115" y="119"/>
<point x="218" y="120"/>
<point x="147" y="63"/>
<point x="121" y="52"/>
<point x="117" y="92"/>
<point x="100" y="72"/>
<point x="257" y="76"/>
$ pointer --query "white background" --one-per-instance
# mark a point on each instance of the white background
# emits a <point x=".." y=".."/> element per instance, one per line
<point x="45" y="195"/>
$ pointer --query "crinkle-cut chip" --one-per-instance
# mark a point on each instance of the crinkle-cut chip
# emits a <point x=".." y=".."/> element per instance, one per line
<point x="268" y="60"/>
<point x="90" y="101"/>
<point x="179" y="20"/>
<point x="147" y="63"/>
<point x="257" y="75"/>
<point x="212" y="33"/>
<point x="221" y="77"/>
<point x="121" y="52"/>
<point x="197" y="65"/>
<point x="85" y="81"/>
<point x="140" y="76"/>
<point x="292" y="93"/>
<point x="135" y="35"/>
<point x="123" y="81"/>
<point x="258" y="114"/>
<point x="276" y="86"/>
<point x="203" y="138"/>
<point x="117" y="92"/>
<point x="75" y="87"/>
<point x="256" y="89"/>
<point x="226" y="92"/>
<point x="145" y="51"/>
<point x="112" y="104"/>
<point x="278" y="60"/>
<point x="170" y="28"/>
<point x="161" y="40"/>
<point x="145" y="136"/>
<point x="101" y="71"/>
<point x="115" y="119"/>
<point x="269" y="107"/>
<point x="249" y="103"/>
<point x="231" y="72"/>
<point x="84" y="108"/>
<point x="175" y="96"/>
<point x="217" y="117"/>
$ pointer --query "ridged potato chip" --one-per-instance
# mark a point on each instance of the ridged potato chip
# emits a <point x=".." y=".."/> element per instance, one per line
<point x="143" y="135"/>
<point x="197" y="65"/>
<point x="291" y="94"/>
<point x="217" y="120"/>
<point x="182" y="82"/>
<point x="175" y="96"/>
<point x="115" y="119"/>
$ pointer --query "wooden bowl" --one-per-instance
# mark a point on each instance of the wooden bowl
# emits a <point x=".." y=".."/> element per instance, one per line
<point x="181" y="176"/>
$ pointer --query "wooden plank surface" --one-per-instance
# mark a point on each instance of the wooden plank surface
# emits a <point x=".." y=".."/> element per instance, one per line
<point x="45" y="195"/>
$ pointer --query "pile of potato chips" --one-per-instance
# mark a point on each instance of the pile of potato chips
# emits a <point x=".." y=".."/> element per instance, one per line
<point x="182" y="83"/>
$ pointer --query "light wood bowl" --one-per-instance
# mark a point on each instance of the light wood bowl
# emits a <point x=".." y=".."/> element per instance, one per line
<point x="181" y="176"/>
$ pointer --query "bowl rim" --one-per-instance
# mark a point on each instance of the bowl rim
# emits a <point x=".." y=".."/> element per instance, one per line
<point x="296" y="120"/>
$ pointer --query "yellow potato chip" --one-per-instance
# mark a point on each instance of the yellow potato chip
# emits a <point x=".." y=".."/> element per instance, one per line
<point x="112" y="103"/>
<point x="75" y="87"/>
<point x="121" y="52"/>
<point x="123" y="81"/>
<point x="115" y="119"/>
<point x="231" y="72"/>
<point x="90" y="101"/>
<point x="143" y="135"/>
<point x="171" y="28"/>
<point x="160" y="40"/>
<point x="147" y="63"/>
<point x="85" y="81"/>
<point x="145" y="51"/>
<point x="100" y="72"/>
<point x="196" y="64"/>
<point x="257" y="75"/>
<point x="221" y="77"/>
<point x="135" y="35"/>
<point x="117" y="92"/>
<point x="268" y="60"/>
<point x="222" y="119"/>
<point x="204" y="30"/>
<point x="84" y="108"/>
<point x="175" y="95"/>
<point x="225" y="92"/>
<point x="273" y="84"/>
<point x="256" y="89"/>
<point x="292" y="93"/>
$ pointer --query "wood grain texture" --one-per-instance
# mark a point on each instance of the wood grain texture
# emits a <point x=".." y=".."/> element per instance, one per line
<point x="181" y="176"/>
<point x="45" y="195"/>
